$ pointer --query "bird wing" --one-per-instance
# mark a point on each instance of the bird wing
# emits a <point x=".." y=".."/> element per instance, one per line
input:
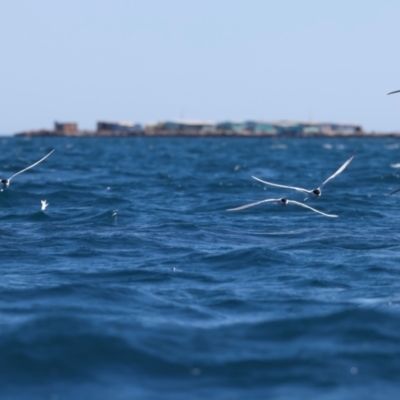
<point x="252" y="204"/>
<point x="31" y="166"/>
<point x="283" y="186"/>
<point x="341" y="169"/>
<point x="396" y="91"/>
<point x="397" y="190"/>
<point x="313" y="209"/>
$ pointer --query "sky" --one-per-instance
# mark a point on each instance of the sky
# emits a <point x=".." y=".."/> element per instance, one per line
<point x="215" y="60"/>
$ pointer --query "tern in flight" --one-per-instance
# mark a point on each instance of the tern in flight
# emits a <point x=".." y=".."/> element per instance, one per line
<point x="6" y="182"/>
<point x="314" y="192"/>
<point x="44" y="204"/>
<point x="282" y="202"/>
<point x="396" y="91"/>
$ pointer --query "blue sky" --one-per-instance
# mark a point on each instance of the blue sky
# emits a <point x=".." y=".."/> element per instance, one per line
<point x="150" y="60"/>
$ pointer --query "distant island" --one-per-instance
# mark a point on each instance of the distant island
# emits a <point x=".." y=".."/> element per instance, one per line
<point x="203" y="128"/>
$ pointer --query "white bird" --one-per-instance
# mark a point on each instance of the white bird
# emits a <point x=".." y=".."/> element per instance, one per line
<point x="282" y="202"/>
<point x="314" y="192"/>
<point x="396" y="91"/>
<point x="6" y="182"/>
<point x="44" y="204"/>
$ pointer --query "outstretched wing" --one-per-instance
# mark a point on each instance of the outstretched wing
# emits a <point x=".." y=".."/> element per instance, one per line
<point x="396" y="91"/>
<point x="397" y="190"/>
<point x="252" y="204"/>
<point x="340" y="170"/>
<point x="31" y="166"/>
<point x="283" y="186"/>
<point x="312" y="209"/>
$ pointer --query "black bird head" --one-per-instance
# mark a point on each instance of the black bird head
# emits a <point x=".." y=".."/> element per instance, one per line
<point x="317" y="192"/>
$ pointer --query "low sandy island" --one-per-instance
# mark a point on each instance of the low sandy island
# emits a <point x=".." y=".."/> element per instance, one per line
<point x="192" y="133"/>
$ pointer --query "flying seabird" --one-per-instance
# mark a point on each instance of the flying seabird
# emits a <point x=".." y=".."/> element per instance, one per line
<point x="282" y="202"/>
<point x="44" y="204"/>
<point x="6" y="182"/>
<point x="314" y="192"/>
<point x="396" y="91"/>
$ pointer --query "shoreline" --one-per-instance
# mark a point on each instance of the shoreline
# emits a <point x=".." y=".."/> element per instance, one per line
<point x="185" y="134"/>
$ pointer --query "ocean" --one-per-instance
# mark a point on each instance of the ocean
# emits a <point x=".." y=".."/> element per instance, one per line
<point x="136" y="283"/>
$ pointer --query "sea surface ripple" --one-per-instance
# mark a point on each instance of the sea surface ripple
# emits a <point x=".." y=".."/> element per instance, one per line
<point x="136" y="283"/>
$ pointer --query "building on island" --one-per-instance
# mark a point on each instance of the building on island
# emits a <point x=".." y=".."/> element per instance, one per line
<point x="181" y="128"/>
<point x="187" y="126"/>
<point x="65" y="127"/>
<point x="232" y="126"/>
<point x="206" y="128"/>
<point x="330" y="129"/>
<point x="252" y="128"/>
<point x="298" y="128"/>
<point x="341" y="129"/>
<point x="119" y="127"/>
<point x="262" y="128"/>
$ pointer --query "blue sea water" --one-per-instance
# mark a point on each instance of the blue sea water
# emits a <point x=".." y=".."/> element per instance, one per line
<point x="136" y="283"/>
